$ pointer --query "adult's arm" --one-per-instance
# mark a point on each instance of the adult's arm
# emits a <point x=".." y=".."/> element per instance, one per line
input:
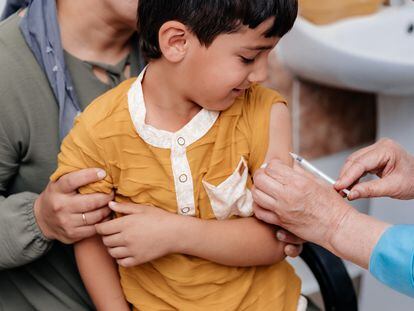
<point x="21" y="240"/>
<point x="27" y="147"/>
<point x="392" y="259"/>
<point x="29" y="221"/>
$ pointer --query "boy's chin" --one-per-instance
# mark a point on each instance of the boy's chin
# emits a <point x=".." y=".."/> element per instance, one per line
<point x="224" y="105"/>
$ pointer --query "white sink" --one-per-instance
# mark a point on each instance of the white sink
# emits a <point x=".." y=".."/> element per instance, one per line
<point x="373" y="53"/>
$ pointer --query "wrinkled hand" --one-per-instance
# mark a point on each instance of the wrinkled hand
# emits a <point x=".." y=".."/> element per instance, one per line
<point x="389" y="161"/>
<point x="58" y="209"/>
<point x="290" y="198"/>
<point x="294" y="244"/>
<point x="145" y="233"/>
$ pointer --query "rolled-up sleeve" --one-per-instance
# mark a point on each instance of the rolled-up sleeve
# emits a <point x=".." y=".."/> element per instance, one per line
<point x="391" y="261"/>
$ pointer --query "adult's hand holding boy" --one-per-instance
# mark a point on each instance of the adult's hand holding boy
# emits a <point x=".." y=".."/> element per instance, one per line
<point x="65" y="215"/>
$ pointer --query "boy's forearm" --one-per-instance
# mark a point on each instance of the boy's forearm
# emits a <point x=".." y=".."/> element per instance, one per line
<point x="100" y="275"/>
<point x="235" y="242"/>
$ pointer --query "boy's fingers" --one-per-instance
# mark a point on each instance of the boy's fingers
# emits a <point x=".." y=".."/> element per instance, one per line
<point x="293" y="251"/>
<point x="72" y="181"/>
<point x="123" y="208"/>
<point x="287" y="237"/>
<point x="114" y="240"/>
<point x="118" y="252"/>
<point x="109" y="227"/>
<point x="127" y="262"/>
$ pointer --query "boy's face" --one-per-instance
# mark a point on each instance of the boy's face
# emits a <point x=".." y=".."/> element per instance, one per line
<point x="217" y="75"/>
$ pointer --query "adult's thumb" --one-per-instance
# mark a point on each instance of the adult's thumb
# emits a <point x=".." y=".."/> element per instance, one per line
<point x="370" y="189"/>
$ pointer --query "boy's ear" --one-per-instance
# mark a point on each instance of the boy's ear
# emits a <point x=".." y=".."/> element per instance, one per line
<point x="173" y="40"/>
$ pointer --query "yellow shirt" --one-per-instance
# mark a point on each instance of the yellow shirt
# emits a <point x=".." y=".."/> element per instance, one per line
<point x="172" y="171"/>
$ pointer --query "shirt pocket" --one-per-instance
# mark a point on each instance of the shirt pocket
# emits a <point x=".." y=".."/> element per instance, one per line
<point x="231" y="197"/>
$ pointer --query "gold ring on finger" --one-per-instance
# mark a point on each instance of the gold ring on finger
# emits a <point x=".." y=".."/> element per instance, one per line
<point x="84" y="219"/>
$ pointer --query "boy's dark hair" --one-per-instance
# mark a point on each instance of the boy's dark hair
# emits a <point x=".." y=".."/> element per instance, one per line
<point x="209" y="18"/>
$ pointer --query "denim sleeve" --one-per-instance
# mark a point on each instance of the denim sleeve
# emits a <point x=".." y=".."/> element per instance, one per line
<point x="391" y="261"/>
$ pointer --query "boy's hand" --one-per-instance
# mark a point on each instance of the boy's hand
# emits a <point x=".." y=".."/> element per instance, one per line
<point x="145" y="233"/>
<point x="65" y="215"/>
<point x="294" y="244"/>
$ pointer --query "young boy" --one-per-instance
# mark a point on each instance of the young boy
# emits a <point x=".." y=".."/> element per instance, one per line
<point x="186" y="137"/>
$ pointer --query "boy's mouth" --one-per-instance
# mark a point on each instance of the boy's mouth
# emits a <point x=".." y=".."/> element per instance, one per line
<point x="238" y="91"/>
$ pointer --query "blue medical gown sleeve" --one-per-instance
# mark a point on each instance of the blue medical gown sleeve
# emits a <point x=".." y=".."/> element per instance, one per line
<point x="391" y="261"/>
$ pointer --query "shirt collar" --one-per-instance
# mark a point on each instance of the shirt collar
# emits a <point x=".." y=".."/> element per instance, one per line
<point x="198" y="126"/>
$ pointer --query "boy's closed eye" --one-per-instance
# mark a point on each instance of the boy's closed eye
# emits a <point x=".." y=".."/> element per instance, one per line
<point x="247" y="60"/>
<point x="251" y="58"/>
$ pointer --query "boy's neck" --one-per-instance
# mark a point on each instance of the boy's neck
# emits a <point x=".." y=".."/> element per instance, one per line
<point x="167" y="107"/>
<point x="106" y="40"/>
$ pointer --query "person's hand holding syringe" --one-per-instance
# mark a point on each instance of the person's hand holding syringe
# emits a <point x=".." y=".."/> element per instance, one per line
<point x="312" y="169"/>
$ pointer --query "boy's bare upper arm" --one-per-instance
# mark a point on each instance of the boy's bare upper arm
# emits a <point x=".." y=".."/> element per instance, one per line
<point x="280" y="134"/>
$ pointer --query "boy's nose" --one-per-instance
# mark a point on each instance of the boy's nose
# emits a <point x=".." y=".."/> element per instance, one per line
<point x="259" y="73"/>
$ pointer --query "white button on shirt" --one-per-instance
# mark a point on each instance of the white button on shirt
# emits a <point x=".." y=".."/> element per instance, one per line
<point x="185" y="210"/>
<point x="181" y="141"/>
<point x="183" y="178"/>
<point x="199" y="125"/>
